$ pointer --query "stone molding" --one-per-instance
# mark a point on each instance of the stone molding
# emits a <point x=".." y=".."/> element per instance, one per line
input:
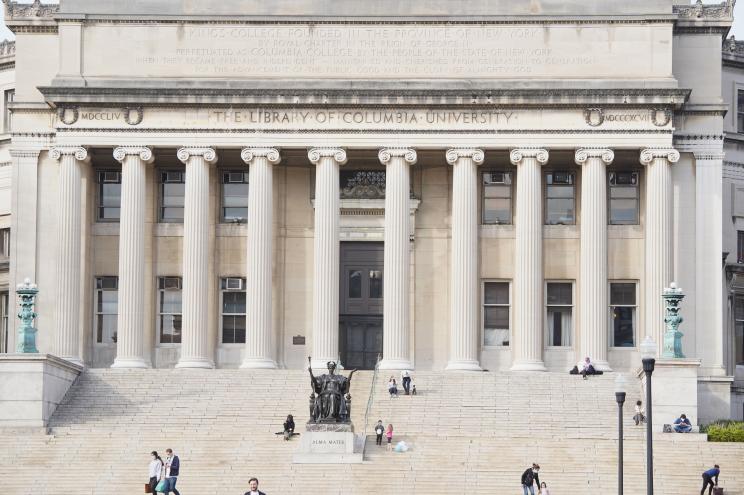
<point x="583" y="154"/>
<point x="271" y="154"/>
<point x="517" y="155"/>
<point x="79" y="152"/>
<point x="15" y="153"/>
<point x="408" y="154"/>
<point x="144" y="153"/>
<point x="338" y="154"/>
<point x="475" y="154"/>
<point x="649" y="154"/>
<point x="18" y="10"/>
<point x="708" y="155"/>
<point x="209" y="154"/>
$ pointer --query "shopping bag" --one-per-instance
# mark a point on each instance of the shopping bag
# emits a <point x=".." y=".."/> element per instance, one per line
<point x="162" y="486"/>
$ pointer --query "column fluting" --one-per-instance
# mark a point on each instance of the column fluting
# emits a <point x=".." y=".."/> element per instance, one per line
<point x="68" y="248"/>
<point x="326" y="254"/>
<point x="593" y="303"/>
<point x="196" y="259"/>
<point x="130" y="349"/>
<point x="396" y="352"/>
<point x="259" y="341"/>
<point x="464" y="314"/>
<point x="527" y="335"/>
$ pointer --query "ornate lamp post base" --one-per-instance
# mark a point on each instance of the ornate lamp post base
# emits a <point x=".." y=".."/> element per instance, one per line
<point x="26" y="332"/>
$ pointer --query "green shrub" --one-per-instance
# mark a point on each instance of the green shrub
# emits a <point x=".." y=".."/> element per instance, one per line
<point x="724" y="430"/>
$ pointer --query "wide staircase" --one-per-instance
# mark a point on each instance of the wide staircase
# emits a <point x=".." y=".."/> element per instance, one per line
<point x="468" y="433"/>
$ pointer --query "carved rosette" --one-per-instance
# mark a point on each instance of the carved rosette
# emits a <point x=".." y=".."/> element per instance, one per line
<point x="209" y="154"/>
<point x="583" y="154"/>
<point x="271" y="154"/>
<point x="58" y="151"/>
<point x="649" y="154"/>
<point x="338" y="154"/>
<point x="475" y="154"/>
<point x="408" y="154"/>
<point x="144" y="153"/>
<point x="517" y="155"/>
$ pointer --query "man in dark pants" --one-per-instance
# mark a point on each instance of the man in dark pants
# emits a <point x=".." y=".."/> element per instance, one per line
<point x="708" y="479"/>
<point x="172" y="465"/>
<point x="406" y="378"/>
<point x="529" y="477"/>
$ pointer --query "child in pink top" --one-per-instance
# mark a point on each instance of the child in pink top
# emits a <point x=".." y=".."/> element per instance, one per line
<point x="389" y="435"/>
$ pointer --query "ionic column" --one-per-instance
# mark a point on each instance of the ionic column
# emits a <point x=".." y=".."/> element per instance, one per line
<point x="527" y="342"/>
<point x="68" y="245"/>
<point x="196" y="259"/>
<point x="130" y="349"/>
<point x="327" y="254"/>
<point x="260" y="249"/>
<point x="659" y="250"/>
<point x="396" y="352"/>
<point x="464" y="314"/>
<point x="593" y="288"/>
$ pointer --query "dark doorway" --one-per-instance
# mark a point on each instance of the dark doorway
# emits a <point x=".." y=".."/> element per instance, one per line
<point x="361" y="303"/>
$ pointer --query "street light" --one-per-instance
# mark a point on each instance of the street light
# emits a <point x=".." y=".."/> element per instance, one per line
<point x="620" y="385"/>
<point x="648" y="358"/>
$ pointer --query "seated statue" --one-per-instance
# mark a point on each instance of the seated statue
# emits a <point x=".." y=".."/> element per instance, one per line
<point x="330" y="392"/>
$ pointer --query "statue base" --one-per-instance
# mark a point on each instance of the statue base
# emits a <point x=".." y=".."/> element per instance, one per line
<point x="329" y="443"/>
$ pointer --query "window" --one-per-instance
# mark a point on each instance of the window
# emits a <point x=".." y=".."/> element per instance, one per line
<point x="233" y="310"/>
<point x="4" y="244"/>
<point x="740" y="246"/>
<point x="234" y="196"/>
<point x="559" y="320"/>
<point x="7" y="115"/>
<point x="169" y="309"/>
<point x="107" y="309"/>
<point x="624" y="196"/>
<point x="496" y="325"/>
<point x="739" y="328"/>
<point x="622" y="314"/>
<point x="560" y="203"/>
<point x="497" y="198"/>
<point x="740" y="111"/>
<point x="172" y="192"/>
<point x="4" y="322"/>
<point x="109" y="195"/>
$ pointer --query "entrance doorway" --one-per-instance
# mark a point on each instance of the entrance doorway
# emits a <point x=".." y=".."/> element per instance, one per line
<point x="361" y="299"/>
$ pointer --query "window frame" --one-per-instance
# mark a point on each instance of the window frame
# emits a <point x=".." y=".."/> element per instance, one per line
<point x="483" y="313"/>
<point x="159" y="314"/>
<point x="740" y="246"/>
<point x="484" y="186"/>
<point x="736" y="298"/>
<point x="610" y="326"/>
<point x="5" y="234"/>
<point x="96" y="294"/>
<point x="161" y="193"/>
<point x="637" y="198"/>
<point x="4" y="315"/>
<point x="99" y="196"/>
<point x="546" y="197"/>
<point x="8" y="97"/>
<point x="546" y="333"/>
<point x="739" y="109"/>
<point x="223" y="173"/>
<point x="222" y="314"/>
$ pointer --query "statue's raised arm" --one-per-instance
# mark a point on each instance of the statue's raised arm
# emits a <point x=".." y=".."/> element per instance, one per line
<point x="313" y="380"/>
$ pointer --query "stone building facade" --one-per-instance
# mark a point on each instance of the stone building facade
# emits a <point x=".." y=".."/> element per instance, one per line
<point x="497" y="185"/>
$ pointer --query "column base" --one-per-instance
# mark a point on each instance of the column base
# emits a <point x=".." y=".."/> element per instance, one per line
<point x="202" y="363"/>
<point x="130" y="363"/>
<point x="258" y="364"/>
<point x="396" y="364"/>
<point x="463" y="366"/>
<point x="528" y="366"/>
<point x="601" y="365"/>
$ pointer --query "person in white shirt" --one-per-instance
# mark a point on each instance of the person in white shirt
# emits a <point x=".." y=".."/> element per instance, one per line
<point x="155" y="470"/>
<point x="405" y="376"/>
<point x="253" y="485"/>
<point x="639" y="416"/>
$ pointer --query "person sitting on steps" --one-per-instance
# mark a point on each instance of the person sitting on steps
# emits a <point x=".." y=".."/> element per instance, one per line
<point x="289" y="427"/>
<point x="392" y="387"/>
<point x="639" y="416"/>
<point x="585" y="367"/>
<point x="682" y="425"/>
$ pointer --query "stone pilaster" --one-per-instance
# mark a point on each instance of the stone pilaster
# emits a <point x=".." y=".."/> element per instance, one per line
<point x="396" y="353"/>
<point x="259" y="258"/>
<point x="527" y="341"/>
<point x="130" y="349"/>
<point x="593" y="288"/>
<point x="327" y="254"/>
<point x="68" y="246"/>
<point x="464" y="314"/>
<point x="196" y="259"/>
<point x="659" y="251"/>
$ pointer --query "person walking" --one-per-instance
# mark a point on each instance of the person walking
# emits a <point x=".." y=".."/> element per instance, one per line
<point x="253" y="487"/>
<point x="405" y="376"/>
<point x="379" y="431"/>
<point x="389" y="435"/>
<point x="530" y="478"/>
<point x="639" y="416"/>
<point x="155" y="470"/>
<point x="172" y="466"/>
<point x="708" y="477"/>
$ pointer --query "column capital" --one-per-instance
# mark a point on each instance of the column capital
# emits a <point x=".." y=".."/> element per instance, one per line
<point x="338" y="154"/>
<point x="408" y="154"/>
<point x="144" y="153"/>
<point x="517" y="155"/>
<point x="649" y="154"/>
<point x="583" y="154"/>
<point x="271" y="154"/>
<point x="475" y="154"/>
<point x="58" y="151"/>
<point x="209" y="154"/>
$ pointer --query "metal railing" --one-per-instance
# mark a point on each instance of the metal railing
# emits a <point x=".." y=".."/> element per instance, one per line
<point x="371" y="394"/>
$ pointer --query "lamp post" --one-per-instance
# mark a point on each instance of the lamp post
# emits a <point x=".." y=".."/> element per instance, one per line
<point x="620" y="383"/>
<point x="648" y="358"/>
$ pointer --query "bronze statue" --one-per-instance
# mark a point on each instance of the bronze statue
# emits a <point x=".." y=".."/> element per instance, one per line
<point x="330" y="401"/>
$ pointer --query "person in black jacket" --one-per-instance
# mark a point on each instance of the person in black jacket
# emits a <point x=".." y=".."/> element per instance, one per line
<point x="529" y="477"/>
<point x="253" y="487"/>
<point x="289" y="426"/>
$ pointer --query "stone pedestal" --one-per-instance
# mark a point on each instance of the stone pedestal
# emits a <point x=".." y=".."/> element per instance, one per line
<point x="32" y="386"/>
<point x="333" y="443"/>
<point x="674" y="391"/>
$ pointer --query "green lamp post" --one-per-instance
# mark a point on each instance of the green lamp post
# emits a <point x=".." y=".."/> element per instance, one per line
<point x="673" y="296"/>
<point x="26" y="332"/>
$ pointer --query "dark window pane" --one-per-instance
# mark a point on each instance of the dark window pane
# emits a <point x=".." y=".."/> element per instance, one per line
<point x="560" y="325"/>
<point x="496" y="293"/>
<point x="233" y="329"/>
<point x="170" y="329"/>
<point x="233" y="302"/>
<point x="355" y="284"/>
<point x="623" y="294"/>
<point x="496" y="317"/>
<point x="622" y="326"/>
<point x="560" y="293"/>
<point x="375" y="284"/>
<point x="233" y="214"/>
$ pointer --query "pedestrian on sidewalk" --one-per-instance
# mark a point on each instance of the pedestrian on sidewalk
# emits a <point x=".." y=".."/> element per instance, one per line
<point x="172" y="465"/>
<point x="405" y="376"/>
<point x="708" y="477"/>
<point x="155" y="470"/>
<point x="389" y="435"/>
<point x="530" y="478"/>
<point x="379" y="431"/>
<point x="640" y="414"/>
<point x="253" y="487"/>
<point x="392" y="387"/>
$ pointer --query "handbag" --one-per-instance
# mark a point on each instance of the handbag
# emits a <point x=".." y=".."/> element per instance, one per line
<point x="147" y="488"/>
<point x="162" y="486"/>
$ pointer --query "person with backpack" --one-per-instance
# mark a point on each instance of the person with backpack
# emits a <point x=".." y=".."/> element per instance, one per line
<point x="529" y="478"/>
